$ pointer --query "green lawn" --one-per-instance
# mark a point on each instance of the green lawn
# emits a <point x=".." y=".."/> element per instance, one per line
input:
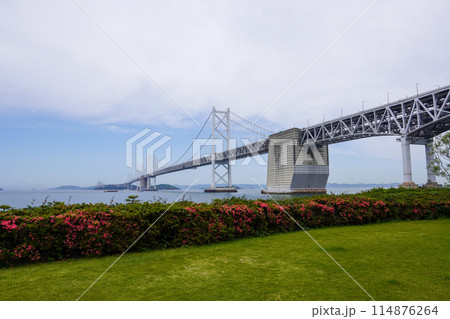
<point x="392" y="261"/>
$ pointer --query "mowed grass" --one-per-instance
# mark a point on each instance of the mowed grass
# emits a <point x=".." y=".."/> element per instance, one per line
<point x="392" y="261"/>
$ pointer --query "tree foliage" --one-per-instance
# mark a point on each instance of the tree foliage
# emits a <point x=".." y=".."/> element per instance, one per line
<point x="440" y="151"/>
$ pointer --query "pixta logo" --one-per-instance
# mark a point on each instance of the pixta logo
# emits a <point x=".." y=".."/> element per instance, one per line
<point x="285" y="151"/>
<point x="141" y="151"/>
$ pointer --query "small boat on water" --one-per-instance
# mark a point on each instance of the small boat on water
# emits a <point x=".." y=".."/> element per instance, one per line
<point x="111" y="191"/>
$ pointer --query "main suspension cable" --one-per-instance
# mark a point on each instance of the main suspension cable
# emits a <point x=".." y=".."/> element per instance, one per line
<point x="204" y="124"/>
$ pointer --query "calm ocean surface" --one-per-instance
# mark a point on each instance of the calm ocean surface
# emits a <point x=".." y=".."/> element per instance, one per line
<point x="21" y="199"/>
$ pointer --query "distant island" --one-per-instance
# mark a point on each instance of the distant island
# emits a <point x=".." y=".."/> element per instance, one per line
<point x="132" y="187"/>
<point x="71" y="188"/>
<point x="113" y="187"/>
<point x="166" y="187"/>
<point x="109" y="187"/>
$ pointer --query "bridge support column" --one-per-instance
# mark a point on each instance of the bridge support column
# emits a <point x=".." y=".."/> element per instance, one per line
<point x="142" y="183"/>
<point x="431" y="177"/>
<point x="406" y="158"/>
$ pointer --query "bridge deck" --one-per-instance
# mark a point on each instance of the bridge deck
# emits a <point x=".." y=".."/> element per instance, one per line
<point x="260" y="147"/>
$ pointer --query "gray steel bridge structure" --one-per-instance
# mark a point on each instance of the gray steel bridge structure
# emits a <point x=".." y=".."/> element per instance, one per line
<point x="415" y="120"/>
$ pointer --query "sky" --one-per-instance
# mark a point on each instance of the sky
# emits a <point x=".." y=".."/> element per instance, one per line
<point x="72" y="94"/>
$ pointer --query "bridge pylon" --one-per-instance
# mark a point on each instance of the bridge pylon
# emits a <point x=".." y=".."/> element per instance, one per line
<point x="147" y="183"/>
<point x="221" y="169"/>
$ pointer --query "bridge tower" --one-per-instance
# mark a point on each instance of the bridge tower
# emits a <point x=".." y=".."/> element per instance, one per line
<point x="406" y="160"/>
<point x="221" y="170"/>
<point x="147" y="183"/>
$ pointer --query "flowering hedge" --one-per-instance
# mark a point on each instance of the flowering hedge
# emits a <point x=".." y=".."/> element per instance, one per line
<point x="57" y="231"/>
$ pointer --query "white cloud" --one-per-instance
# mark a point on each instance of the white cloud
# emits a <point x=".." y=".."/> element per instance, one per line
<point x="118" y="129"/>
<point x="237" y="54"/>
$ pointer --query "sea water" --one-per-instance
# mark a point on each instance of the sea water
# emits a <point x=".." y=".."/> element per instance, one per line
<point x="22" y="199"/>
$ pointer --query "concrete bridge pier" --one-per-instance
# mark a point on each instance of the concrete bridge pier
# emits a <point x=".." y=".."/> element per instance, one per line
<point x="406" y="159"/>
<point x="142" y="183"/>
<point x="296" y="169"/>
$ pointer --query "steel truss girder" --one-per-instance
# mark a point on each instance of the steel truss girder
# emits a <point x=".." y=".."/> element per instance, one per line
<point x="425" y="115"/>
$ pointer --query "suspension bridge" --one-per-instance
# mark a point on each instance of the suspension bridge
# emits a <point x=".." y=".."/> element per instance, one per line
<point x="298" y="160"/>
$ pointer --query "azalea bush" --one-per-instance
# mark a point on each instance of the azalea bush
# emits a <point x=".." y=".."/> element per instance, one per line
<point x="56" y="231"/>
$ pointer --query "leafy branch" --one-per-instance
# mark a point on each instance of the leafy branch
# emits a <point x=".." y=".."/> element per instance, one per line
<point x="440" y="156"/>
